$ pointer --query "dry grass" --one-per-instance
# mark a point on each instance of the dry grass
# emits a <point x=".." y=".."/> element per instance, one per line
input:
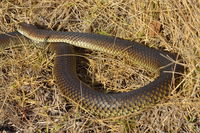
<point x="30" y="100"/>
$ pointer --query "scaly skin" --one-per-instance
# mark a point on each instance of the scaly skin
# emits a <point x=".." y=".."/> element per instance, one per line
<point x="99" y="103"/>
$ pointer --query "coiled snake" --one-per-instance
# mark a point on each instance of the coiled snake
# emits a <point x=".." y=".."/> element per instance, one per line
<point x="99" y="103"/>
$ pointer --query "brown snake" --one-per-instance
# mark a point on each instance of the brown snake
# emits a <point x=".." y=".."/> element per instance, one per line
<point x="96" y="102"/>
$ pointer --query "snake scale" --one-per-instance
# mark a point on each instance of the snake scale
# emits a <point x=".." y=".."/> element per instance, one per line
<point x="94" y="101"/>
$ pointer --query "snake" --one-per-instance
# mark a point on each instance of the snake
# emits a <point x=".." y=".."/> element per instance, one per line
<point x="96" y="102"/>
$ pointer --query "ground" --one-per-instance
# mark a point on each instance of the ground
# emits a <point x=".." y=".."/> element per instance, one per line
<point x="30" y="101"/>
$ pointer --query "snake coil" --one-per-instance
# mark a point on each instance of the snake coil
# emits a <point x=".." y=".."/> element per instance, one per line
<point x="98" y="103"/>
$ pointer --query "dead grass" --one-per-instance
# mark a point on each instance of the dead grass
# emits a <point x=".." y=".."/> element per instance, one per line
<point x="30" y="100"/>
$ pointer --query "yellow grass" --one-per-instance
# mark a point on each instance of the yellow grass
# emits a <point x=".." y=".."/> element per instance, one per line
<point x="30" y="100"/>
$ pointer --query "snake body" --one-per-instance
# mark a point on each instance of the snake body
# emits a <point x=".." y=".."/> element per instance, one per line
<point x="96" y="102"/>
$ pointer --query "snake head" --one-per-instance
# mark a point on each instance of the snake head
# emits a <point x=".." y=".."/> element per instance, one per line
<point x="28" y="30"/>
